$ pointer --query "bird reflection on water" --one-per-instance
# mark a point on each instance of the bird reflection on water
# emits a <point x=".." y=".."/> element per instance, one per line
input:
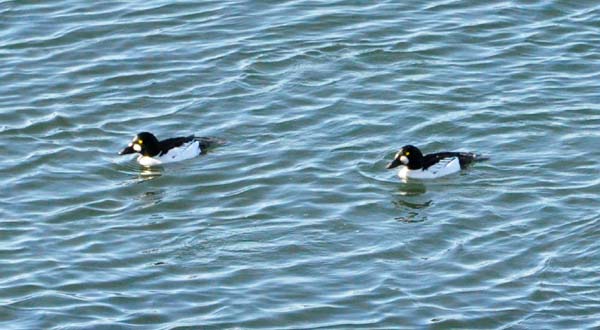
<point x="148" y="173"/>
<point x="151" y="198"/>
<point x="411" y="211"/>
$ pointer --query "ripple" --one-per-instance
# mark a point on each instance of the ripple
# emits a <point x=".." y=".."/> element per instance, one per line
<point x="295" y="224"/>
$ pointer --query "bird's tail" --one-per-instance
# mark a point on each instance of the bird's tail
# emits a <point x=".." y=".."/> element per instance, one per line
<point x="480" y="158"/>
<point x="467" y="158"/>
<point x="207" y="142"/>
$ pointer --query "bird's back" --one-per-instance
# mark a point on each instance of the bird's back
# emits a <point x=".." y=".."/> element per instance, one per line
<point x="464" y="158"/>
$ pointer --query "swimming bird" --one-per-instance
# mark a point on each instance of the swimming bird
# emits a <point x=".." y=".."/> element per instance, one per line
<point x="430" y="166"/>
<point x="154" y="152"/>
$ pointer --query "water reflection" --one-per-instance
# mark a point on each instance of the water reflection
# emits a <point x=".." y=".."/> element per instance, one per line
<point x="150" y="198"/>
<point x="411" y="211"/>
<point x="138" y="173"/>
<point x="412" y="188"/>
<point x="149" y="173"/>
<point x="409" y="204"/>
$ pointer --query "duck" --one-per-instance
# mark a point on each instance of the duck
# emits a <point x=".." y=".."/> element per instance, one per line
<point x="415" y="165"/>
<point x="153" y="152"/>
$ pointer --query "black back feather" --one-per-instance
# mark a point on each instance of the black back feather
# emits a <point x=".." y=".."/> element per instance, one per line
<point x="464" y="158"/>
<point x="205" y="143"/>
<point x="168" y="144"/>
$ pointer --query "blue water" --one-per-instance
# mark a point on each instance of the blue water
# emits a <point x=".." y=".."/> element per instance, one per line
<point x="295" y="223"/>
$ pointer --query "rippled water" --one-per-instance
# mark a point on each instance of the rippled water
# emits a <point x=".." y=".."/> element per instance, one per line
<point x="295" y="223"/>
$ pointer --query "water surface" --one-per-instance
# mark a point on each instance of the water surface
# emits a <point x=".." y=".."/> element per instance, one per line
<point x="295" y="223"/>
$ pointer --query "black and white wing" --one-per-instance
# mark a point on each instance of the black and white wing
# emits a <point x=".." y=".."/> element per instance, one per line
<point x="443" y="165"/>
<point x="169" y="144"/>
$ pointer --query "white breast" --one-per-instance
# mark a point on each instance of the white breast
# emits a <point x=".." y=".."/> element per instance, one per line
<point x="442" y="168"/>
<point x="185" y="151"/>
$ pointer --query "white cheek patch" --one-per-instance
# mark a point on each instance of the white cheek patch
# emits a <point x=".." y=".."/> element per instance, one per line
<point x="403" y="160"/>
<point x="137" y="147"/>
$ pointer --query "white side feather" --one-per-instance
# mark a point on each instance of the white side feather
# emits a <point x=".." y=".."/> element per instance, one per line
<point x="442" y="168"/>
<point x="185" y="151"/>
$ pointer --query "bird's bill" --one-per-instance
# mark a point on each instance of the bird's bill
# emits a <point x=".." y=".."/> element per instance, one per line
<point x="394" y="163"/>
<point x="127" y="150"/>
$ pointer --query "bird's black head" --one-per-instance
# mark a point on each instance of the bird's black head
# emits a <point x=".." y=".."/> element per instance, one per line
<point x="408" y="155"/>
<point x="143" y="143"/>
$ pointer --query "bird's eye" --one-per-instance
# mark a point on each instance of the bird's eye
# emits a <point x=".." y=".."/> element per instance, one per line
<point x="407" y="153"/>
<point x="140" y="141"/>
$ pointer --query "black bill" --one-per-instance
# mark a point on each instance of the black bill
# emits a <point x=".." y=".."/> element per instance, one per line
<point x="394" y="163"/>
<point x="127" y="150"/>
